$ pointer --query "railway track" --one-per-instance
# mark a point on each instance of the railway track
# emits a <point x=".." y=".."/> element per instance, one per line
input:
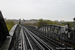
<point x="34" y="40"/>
<point x="54" y="44"/>
<point x="44" y="45"/>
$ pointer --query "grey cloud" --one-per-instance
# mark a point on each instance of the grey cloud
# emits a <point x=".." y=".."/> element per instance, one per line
<point x="46" y="9"/>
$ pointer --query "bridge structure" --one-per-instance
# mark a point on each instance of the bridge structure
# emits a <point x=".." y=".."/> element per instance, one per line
<point x="46" y="37"/>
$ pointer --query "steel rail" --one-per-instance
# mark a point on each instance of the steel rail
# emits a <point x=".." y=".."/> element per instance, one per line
<point x="49" y="39"/>
<point x="24" y="46"/>
<point x="54" y="43"/>
<point x="28" y="41"/>
<point x="38" y="44"/>
<point x="41" y="41"/>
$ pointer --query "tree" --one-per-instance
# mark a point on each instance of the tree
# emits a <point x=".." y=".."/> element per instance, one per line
<point x="10" y="24"/>
<point x="42" y="22"/>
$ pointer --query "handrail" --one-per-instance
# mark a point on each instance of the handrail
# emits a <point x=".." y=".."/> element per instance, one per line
<point x="8" y="42"/>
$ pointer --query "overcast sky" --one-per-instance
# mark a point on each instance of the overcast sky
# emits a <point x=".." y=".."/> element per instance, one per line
<point x="36" y="9"/>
